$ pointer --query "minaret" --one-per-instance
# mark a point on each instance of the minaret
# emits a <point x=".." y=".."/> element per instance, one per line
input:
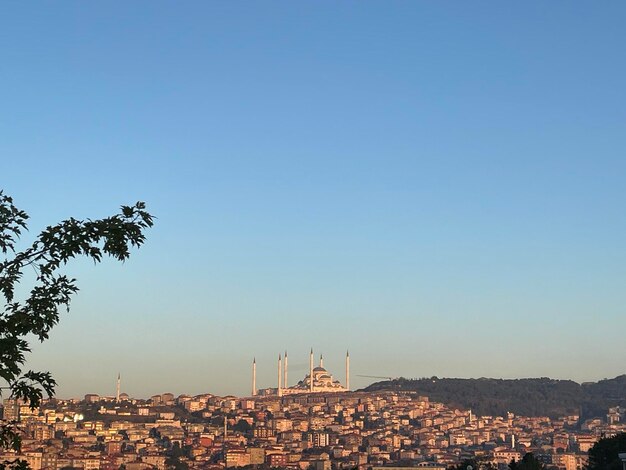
<point x="117" y="393"/>
<point x="347" y="370"/>
<point x="225" y="434"/>
<point x="254" y="377"/>
<point x="321" y="361"/>
<point x="280" y="373"/>
<point x="311" y="372"/>
<point x="285" y="385"/>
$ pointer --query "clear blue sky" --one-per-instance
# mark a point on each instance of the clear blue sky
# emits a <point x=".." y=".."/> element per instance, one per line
<point x="437" y="186"/>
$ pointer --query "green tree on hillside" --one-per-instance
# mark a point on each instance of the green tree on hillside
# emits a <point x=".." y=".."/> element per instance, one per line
<point x="528" y="462"/>
<point x="242" y="426"/>
<point x="38" y="312"/>
<point x="604" y="453"/>
<point x="476" y="463"/>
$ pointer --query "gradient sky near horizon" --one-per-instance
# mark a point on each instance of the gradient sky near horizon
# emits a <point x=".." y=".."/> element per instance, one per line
<point x="438" y="187"/>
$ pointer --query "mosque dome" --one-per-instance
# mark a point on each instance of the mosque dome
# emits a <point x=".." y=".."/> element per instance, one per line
<point x="317" y="380"/>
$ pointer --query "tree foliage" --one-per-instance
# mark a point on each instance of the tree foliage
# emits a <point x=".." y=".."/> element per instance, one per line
<point x="52" y="291"/>
<point x="526" y="397"/>
<point x="476" y="463"/>
<point x="528" y="462"/>
<point x="173" y="461"/>
<point x="242" y="426"/>
<point x="604" y="453"/>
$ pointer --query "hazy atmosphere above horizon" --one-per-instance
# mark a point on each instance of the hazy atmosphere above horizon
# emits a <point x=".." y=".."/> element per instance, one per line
<point x="437" y="187"/>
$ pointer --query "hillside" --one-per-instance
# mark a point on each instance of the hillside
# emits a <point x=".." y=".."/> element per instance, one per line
<point x="529" y="397"/>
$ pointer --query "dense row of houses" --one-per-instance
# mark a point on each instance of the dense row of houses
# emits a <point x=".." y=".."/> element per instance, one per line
<point x="300" y="432"/>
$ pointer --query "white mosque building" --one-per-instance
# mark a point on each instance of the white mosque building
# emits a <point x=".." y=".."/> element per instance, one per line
<point x="318" y="380"/>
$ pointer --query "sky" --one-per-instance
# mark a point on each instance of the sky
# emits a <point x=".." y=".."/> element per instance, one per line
<point x="436" y="186"/>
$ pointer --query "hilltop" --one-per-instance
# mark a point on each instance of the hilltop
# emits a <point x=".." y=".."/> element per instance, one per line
<point x="528" y="397"/>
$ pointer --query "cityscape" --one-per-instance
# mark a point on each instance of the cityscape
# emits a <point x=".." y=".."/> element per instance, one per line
<point x="312" y="235"/>
<point x="317" y="424"/>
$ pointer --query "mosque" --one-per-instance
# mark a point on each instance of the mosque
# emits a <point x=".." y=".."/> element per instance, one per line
<point x="318" y="380"/>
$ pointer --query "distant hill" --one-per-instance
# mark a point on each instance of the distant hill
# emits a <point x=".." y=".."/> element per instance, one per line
<point x="529" y="397"/>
